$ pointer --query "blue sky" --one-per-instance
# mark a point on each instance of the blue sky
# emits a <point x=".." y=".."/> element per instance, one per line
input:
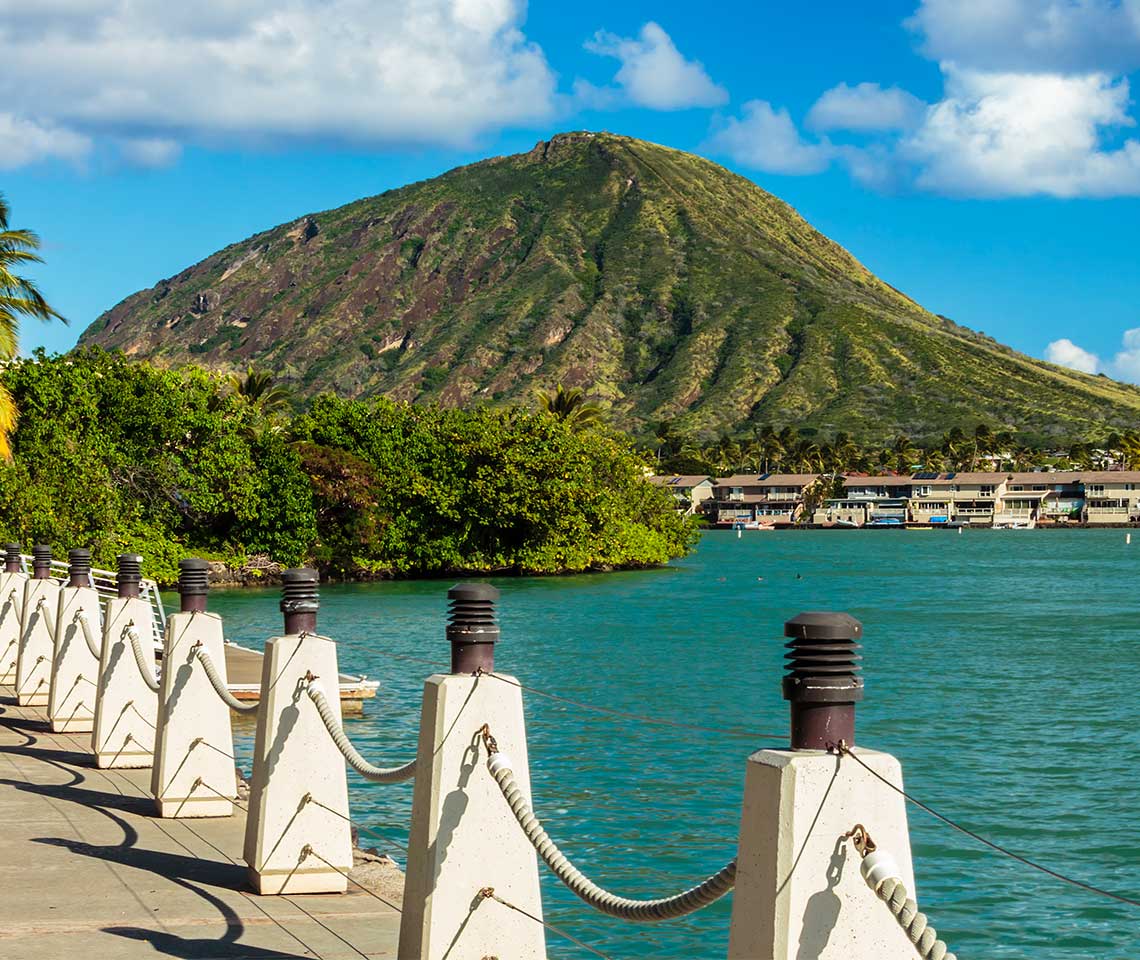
<point x="980" y="155"/>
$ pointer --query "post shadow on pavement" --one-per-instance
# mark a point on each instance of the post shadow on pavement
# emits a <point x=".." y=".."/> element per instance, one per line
<point x="87" y="797"/>
<point x="197" y="948"/>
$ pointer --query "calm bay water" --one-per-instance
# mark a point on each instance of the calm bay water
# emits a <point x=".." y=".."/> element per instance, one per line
<point x="1002" y="668"/>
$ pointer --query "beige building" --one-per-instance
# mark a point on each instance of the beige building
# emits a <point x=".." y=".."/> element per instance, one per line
<point x="689" y="491"/>
<point x="988" y="498"/>
<point x="767" y="498"/>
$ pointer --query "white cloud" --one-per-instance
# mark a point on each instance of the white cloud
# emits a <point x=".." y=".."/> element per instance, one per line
<point x="151" y="151"/>
<point x="766" y="139"/>
<point x="24" y="141"/>
<point x="1014" y="134"/>
<point x="865" y="107"/>
<point x="431" y="71"/>
<point x="1032" y="36"/>
<point x="1126" y="363"/>
<point x="1065" y="353"/>
<point x="654" y="73"/>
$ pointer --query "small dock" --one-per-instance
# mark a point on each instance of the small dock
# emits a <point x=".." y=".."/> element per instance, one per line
<point x="91" y="873"/>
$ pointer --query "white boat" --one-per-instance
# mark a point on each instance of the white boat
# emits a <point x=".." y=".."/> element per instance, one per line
<point x="1014" y="524"/>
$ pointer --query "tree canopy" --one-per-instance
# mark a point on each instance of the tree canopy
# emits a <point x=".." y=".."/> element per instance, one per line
<point x="123" y="456"/>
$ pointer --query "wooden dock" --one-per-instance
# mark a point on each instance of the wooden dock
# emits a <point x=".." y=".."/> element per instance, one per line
<point x="90" y="873"/>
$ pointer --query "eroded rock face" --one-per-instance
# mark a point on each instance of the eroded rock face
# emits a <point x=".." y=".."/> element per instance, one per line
<point x="666" y="286"/>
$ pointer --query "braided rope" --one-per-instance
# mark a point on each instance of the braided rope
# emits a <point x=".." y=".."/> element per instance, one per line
<point x="145" y="671"/>
<point x="881" y="873"/>
<point x="643" y="911"/>
<point x="349" y="752"/>
<point x="43" y="611"/>
<point x="81" y="619"/>
<point x="220" y="688"/>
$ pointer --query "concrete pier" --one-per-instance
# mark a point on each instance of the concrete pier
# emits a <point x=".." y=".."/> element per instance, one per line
<point x="91" y="873"/>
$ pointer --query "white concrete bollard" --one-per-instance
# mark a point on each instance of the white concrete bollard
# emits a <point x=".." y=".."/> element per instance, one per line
<point x="193" y="772"/>
<point x="12" y="582"/>
<point x="75" y="669"/>
<point x="464" y="837"/>
<point x="126" y="709"/>
<point x="37" y="640"/>
<point x="298" y="836"/>
<point x="799" y="891"/>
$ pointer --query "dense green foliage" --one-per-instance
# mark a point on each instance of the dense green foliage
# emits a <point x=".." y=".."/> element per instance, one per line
<point x="665" y="286"/>
<point x="120" y="455"/>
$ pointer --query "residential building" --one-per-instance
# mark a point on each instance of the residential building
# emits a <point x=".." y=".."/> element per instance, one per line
<point x="981" y="498"/>
<point x="770" y="498"/>
<point x="689" y="492"/>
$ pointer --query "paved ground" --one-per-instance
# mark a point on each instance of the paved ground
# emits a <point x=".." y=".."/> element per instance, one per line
<point x="89" y="874"/>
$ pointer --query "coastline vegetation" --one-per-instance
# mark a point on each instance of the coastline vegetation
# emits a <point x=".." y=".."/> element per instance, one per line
<point x="793" y="451"/>
<point x="122" y="456"/>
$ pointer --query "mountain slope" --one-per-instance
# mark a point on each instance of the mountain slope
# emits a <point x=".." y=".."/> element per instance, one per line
<point x="665" y="285"/>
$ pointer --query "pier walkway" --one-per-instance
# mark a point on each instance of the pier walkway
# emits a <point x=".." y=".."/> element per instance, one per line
<point x="90" y="874"/>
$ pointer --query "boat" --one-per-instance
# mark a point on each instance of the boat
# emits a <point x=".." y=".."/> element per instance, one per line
<point x="243" y="678"/>
<point x="1014" y="524"/>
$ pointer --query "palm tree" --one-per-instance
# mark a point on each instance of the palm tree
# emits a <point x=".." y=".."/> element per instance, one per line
<point x="259" y="392"/>
<point x="570" y="406"/>
<point x="18" y="297"/>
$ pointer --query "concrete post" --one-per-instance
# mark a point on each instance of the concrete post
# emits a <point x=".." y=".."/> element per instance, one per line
<point x="75" y="669"/>
<point x="37" y="642"/>
<point x="12" y="582"/>
<point x="193" y="772"/>
<point x="799" y="892"/>
<point x="463" y="836"/>
<point x="298" y="837"/>
<point x="125" y="708"/>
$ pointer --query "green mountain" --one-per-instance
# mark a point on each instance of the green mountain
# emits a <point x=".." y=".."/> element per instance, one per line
<point x="666" y="286"/>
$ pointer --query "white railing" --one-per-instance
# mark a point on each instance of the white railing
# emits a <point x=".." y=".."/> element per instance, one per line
<point x="106" y="584"/>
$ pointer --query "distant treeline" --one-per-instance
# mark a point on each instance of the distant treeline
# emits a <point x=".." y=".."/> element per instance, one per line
<point x="789" y="451"/>
<point x="122" y="456"/>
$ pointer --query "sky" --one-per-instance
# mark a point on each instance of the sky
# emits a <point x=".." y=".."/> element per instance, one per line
<point x="980" y="155"/>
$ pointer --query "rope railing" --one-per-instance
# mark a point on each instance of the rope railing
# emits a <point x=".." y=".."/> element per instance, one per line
<point x="882" y="875"/>
<point x="348" y="751"/>
<point x="85" y="624"/>
<point x="643" y="911"/>
<point x="219" y="686"/>
<point x="145" y="671"/>
<point x="43" y="611"/>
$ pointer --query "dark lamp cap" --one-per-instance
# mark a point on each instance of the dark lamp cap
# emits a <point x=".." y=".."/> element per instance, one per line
<point x="300" y="590"/>
<point x="823" y="625"/>
<point x="12" y="552"/>
<point x="193" y="577"/>
<point x="130" y="568"/>
<point x="41" y="554"/>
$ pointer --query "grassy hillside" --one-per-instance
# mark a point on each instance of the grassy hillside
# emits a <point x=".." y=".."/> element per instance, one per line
<point x="666" y="286"/>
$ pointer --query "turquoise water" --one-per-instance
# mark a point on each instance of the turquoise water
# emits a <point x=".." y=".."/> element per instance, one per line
<point x="1002" y="668"/>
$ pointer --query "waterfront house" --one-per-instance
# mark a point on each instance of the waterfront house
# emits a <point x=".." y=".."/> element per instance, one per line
<point x="974" y="497"/>
<point x="1111" y="496"/>
<point x="983" y="497"/>
<point x="689" y="491"/>
<point x="769" y="498"/>
<point x="1043" y="497"/>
